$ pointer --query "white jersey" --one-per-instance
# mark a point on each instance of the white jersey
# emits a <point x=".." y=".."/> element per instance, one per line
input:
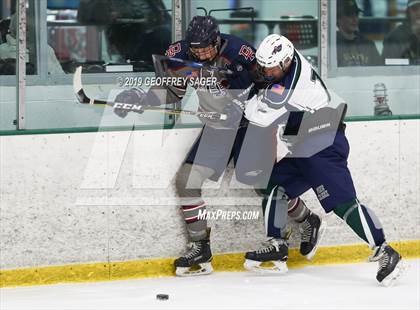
<point x="300" y="90"/>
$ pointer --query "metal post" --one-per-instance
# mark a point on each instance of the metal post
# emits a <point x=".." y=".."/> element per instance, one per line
<point x="176" y="20"/>
<point x="323" y="35"/>
<point x="21" y="63"/>
<point x="186" y="16"/>
<point x="177" y="8"/>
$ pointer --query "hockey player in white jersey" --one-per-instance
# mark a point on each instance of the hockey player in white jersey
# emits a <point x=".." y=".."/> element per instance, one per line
<point x="219" y="141"/>
<point x="291" y="98"/>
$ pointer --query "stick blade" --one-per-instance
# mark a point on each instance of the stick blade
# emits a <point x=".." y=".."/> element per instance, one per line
<point x="77" y="80"/>
<point x="78" y="87"/>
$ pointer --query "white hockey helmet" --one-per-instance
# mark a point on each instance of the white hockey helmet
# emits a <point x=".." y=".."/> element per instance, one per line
<point x="275" y="50"/>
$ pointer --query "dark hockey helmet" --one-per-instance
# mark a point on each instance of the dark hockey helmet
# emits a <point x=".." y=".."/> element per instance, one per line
<point x="203" y="32"/>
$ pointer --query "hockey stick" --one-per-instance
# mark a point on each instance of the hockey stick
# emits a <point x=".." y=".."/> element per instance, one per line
<point x="159" y="59"/>
<point x="84" y="99"/>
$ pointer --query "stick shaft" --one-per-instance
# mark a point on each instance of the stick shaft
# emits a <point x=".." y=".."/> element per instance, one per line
<point x="84" y="99"/>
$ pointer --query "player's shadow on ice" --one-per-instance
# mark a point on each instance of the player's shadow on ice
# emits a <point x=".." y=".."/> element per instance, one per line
<point x="325" y="275"/>
<point x="335" y="275"/>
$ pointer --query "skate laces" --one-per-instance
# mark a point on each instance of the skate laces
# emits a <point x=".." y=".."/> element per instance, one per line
<point x="269" y="245"/>
<point x="376" y="255"/>
<point x="381" y="256"/>
<point x="378" y="252"/>
<point x="195" y="248"/>
<point x="383" y="261"/>
<point x="305" y="231"/>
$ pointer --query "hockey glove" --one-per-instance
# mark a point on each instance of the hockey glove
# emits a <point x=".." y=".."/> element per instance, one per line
<point x="240" y="77"/>
<point x="133" y="96"/>
<point x="237" y="69"/>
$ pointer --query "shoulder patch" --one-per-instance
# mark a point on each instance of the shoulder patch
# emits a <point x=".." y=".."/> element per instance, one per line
<point x="247" y="52"/>
<point x="278" y="89"/>
<point x="275" y="95"/>
<point x="173" y="49"/>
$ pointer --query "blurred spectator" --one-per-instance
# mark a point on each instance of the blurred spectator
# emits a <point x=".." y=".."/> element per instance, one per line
<point x="8" y="51"/>
<point x="134" y="31"/>
<point x="353" y="49"/>
<point x="4" y="29"/>
<point x="5" y="22"/>
<point x="404" y="41"/>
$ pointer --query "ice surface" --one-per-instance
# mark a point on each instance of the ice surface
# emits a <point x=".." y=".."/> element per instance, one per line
<point x="315" y="287"/>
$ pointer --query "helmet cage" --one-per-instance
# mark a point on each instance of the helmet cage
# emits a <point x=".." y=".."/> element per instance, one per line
<point x="195" y="51"/>
<point x="202" y="32"/>
<point x="260" y="71"/>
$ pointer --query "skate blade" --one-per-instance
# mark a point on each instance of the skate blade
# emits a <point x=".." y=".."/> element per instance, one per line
<point x="200" y="269"/>
<point x="278" y="267"/>
<point x="321" y="233"/>
<point x="393" y="277"/>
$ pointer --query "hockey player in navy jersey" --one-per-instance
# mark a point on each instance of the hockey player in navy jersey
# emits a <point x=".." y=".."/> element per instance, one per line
<point x="219" y="141"/>
<point x="291" y="98"/>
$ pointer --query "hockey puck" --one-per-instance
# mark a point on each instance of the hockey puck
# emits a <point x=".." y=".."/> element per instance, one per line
<point x="162" y="296"/>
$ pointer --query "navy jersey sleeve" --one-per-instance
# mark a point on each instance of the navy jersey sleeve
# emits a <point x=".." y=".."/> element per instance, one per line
<point x="240" y="52"/>
<point x="179" y="50"/>
<point x="241" y="56"/>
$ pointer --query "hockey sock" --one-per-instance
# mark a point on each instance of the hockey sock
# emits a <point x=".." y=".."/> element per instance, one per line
<point x="195" y="218"/>
<point x="297" y="210"/>
<point x="362" y="221"/>
<point x="188" y="183"/>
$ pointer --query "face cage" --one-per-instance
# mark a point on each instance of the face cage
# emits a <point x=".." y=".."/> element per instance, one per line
<point x="215" y="45"/>
<point x="260" y="74"/>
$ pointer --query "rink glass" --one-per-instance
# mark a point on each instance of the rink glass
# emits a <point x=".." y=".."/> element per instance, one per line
<point x="113" y="42"/>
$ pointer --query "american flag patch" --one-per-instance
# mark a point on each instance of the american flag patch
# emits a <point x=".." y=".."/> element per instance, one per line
<point x="278" y="89"/>
<point x="191" y="74"/>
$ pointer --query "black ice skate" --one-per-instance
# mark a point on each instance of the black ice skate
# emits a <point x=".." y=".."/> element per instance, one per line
<point x="390" y="265"/>
<point x="311" y="231"/>
<point x="197" y="261"/>
<point x="271" y="258"/>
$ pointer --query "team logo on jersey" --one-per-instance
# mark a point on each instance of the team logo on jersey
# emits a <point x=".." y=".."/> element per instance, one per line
<point x="173" y="50"/>
<point x="217" y="89"/>
<point x="322" y="193"/>
<point x="247" y="52"/>
<point x="277" y="49"/>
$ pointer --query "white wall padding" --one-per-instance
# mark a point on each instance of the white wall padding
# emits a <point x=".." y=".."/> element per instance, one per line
<point x="109" y="196"/>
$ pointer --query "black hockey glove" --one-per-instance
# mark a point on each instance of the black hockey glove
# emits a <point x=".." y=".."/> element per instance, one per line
<point x="237" y="70"/>
<point x="240" y="77"/>
<point x="133" y="96"/>
<point x="234" y="115"/>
